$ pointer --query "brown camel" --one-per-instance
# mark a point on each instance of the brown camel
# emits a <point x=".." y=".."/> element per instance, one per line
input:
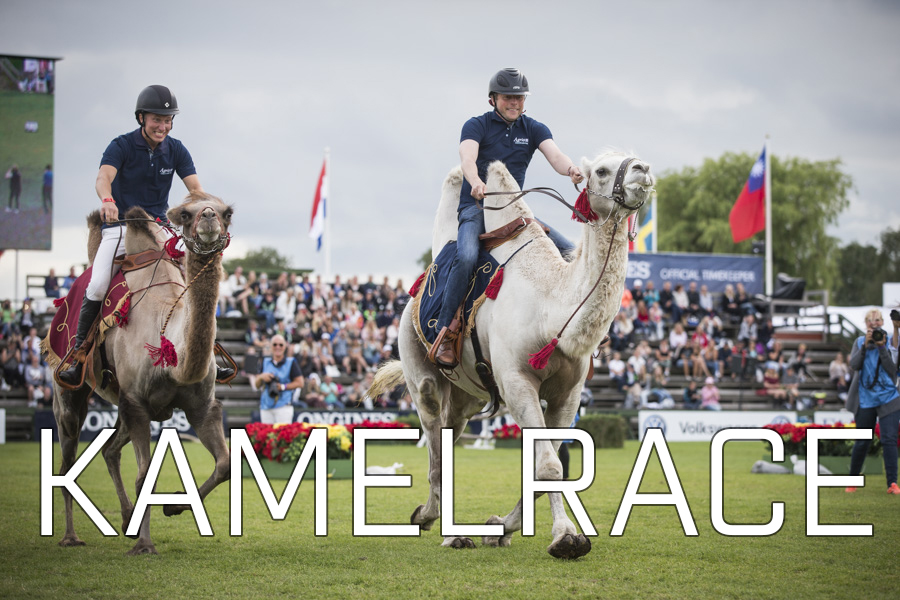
<point x="147" y="392"/>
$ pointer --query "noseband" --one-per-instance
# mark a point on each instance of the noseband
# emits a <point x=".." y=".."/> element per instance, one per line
<point x="196" y="246"/>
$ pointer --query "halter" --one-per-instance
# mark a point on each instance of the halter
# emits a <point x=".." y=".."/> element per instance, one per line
<point x="197" y="247"/>
<point x="618" y="193"/>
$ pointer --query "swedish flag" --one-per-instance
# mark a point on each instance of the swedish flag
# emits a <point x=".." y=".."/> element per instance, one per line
<point x="644" y="241"/>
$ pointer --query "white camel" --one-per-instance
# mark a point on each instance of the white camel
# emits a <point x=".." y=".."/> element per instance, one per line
<point x="540" y="296"/>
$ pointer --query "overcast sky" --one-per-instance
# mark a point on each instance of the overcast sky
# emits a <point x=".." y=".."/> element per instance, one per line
<point x="265" y="87"/>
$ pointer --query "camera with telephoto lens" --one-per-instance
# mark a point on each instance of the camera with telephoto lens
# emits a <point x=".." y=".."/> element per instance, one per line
<point x="895" y="315"/>
<point x="878" y="335"/>
<point x="275" y="390"/>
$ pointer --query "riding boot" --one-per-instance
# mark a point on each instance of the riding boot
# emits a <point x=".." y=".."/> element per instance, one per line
<point x="89" y="311"/>
<point x="443" y="352"/>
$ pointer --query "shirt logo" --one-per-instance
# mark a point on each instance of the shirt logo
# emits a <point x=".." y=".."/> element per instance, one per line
<point x="166" y="171"/>
<point x="520" y="141"/>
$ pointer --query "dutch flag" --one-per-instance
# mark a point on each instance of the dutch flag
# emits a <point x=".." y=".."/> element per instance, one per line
<point x="317" y="222"/>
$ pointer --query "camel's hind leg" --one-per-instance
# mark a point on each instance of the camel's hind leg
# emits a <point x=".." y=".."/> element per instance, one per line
<point x="207" y="421"/>
<point x="430" y="392"/>
<point x="70" y="410"/>
<point x="112" y="454"/>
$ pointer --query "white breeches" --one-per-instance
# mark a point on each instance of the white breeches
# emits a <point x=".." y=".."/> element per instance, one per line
<point x="112" y="246"/>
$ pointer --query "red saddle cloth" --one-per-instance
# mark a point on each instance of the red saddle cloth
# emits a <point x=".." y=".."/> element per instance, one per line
<point x="65" y="321"/>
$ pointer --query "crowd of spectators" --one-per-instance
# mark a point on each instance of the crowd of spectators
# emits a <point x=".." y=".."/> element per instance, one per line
<point x="344" y="328"/>
<point x="690" y="329"/>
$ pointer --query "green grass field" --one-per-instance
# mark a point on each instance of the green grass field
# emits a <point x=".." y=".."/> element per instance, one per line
<point x="653" y="559"/>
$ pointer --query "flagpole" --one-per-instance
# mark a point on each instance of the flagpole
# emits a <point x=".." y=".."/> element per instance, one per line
<point x="328" y="212"/>
<point x="769" y="287"/>
<point x="654" y="219"/>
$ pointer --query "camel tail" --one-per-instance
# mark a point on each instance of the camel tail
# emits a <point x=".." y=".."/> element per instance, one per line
<point x="388" y="376"/>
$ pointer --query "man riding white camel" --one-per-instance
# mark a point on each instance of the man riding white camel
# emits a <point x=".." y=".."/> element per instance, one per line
<point x="507" y="135"/>
<point x="137" y="169"/>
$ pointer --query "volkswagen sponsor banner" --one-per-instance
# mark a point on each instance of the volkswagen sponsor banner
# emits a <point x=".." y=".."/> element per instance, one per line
<point x="96" y="420"/>
<point x="830" y="417"/>
<point x="701" y="425"/>
<point x="714" y="270"/>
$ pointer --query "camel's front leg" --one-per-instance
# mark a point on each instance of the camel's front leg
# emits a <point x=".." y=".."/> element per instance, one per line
<point x="112" y="454"/>
<point x="137" y="421"/>
<point x="207" y="421"/>
<point x="430" y="395"/>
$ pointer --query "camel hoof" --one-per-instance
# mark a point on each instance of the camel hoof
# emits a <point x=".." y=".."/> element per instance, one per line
<point x="71" y="542"/>
<point x="459" y="543"/>
<point x="142" y="548"/>
<point x="416" y="519"/>
<point x="570" y="547"/>
<point x="496" y="542"/>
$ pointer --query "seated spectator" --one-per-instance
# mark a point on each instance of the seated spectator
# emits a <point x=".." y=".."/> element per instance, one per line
<point x="31" y="346"/>
<point x="710" y="356"/>
<point x="617" y="370"/>
<point x="707" y="304"/>
<point x="286" y="304"/>
<point x="637" y="291"/>
<point x="11" y="356"/>
<point x="800" y="363"/>
<point x="632" y="387"/>
<point x="642" y="320"/>
<point x="252" y="335"/>
<point x="656" y="325"/>
<point x="667" y="300"/>
<point x="743" y="299"/>
<point x="330" y="392"/>
<point x="693" y="296"/>
<point x="839" y="375"/>
<point x="680" y="304"/>
<point x="765" y="331"/>
<point x="678" y="340"/>
<point x="773" y="388"/>
<point x="730" y="307"/>
<point x="663" y="356"/>
<point x="638" y="363"/>
<point x="775" y="357"/>
<point x="621" y="331"/>
<point x="691" y="396"/>
<point x="709" y="395"/>
<point x="68" y="282"/>
<point x="748" y="330"/>
<point x="266" y="310"/>
<point x="248" y="294"/>
<point x="651" y="294"/>
<point x="312" y="394"/>
<point x="656" y="395"/>
<point x="51" y="285"/>
<point x="7" y="319"/>
<point x="37" y="383"/>
<point x="791" y="383"/>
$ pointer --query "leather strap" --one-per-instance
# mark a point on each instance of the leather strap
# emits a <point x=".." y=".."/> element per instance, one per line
<point x="501" y="235"/>
<point x="133" y="262"/>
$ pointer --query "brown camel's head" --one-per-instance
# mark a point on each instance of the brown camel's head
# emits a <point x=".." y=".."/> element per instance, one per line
<point x="204" y="220"/>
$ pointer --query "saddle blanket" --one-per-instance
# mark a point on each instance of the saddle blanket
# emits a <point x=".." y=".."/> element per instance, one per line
<point x="65" y="322"/>
<point x="431" y="290"/>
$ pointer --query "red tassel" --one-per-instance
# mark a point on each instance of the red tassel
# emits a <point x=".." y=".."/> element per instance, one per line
<point x="493" y="287"/>
<point x="121" y="315"/>
<point x="59" y="302"/>
<point x="540" y="359"/>
<point x="414" y="290"/>
<point x="583" y="205"/>
<point x="165" y="355"/>
<point x="171" y="250"/>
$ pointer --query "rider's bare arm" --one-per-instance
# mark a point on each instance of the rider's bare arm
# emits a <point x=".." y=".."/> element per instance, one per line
<point x="468" y="152"/>
<point x="192" y="183"/>
<point x="561" y="163"/>
<point x="108" y="210"/>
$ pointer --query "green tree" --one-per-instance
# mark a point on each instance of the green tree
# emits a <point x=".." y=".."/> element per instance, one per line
<point x="264" y="259"/>
<point x="861" y="274"/>
<point x="425" y="259"/>
<point x="807" y="196"/>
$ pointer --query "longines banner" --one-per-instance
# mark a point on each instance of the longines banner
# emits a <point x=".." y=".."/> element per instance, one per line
<point x="713" y="270"/>
<point x="702" y="425"/>
<point x="97" y="420"/>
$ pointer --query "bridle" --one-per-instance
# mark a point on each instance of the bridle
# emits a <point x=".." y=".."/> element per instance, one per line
<point x="197" y="247"/>
<point x="617" y="196"/>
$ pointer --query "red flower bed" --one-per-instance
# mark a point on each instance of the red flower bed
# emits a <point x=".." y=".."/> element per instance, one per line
<point x="794" y="437"/>
<point x="508" y="432"/>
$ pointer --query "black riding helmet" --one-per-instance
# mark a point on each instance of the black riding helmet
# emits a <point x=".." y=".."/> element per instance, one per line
<point x="510" y="82"/>
<point x="156" y="99"/>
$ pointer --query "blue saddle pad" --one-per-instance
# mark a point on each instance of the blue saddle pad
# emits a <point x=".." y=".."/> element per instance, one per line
<point x="431" y="292"/>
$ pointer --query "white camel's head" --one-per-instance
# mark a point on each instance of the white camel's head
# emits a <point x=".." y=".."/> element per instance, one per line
<point x="204" y="220"/>
<point x="601" y="178"/>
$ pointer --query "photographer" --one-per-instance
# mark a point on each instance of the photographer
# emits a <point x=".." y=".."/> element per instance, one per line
<point x="279" y="378"/>
<point x="873" y="393"/>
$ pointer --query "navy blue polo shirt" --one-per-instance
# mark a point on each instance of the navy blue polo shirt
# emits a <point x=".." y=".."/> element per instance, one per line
<point x="513" y="144"/>
<point x="144" y="177"/>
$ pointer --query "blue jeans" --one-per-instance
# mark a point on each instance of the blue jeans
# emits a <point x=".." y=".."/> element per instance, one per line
<point x="471" y="225"/>
<point x="865" y="419"/>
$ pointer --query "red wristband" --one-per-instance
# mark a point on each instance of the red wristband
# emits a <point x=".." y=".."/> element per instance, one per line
<point x="109" y="200"/>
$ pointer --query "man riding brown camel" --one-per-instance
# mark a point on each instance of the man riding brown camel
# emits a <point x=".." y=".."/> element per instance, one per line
<point x="137" y="169"/>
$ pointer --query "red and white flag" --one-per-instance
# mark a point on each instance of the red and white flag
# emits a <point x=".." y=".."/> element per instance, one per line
<point x="317" y="221"/>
